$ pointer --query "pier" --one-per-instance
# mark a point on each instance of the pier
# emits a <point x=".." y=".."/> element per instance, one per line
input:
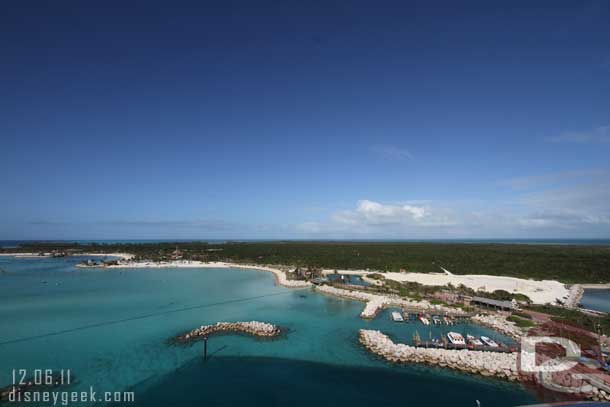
<point x="498" y="364"/>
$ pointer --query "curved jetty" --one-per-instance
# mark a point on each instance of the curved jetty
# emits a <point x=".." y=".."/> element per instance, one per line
<point x="501" y="365"/>
<point x="255" y="328"/>
<point x="575" y="295"/>
<point x="376" y="302"/>
<point x="498" y="323"/>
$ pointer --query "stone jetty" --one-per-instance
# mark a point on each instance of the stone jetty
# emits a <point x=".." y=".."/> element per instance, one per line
<point x="498" y="323"/>
<point x="377" y="302"/>
<point x="491" y="364"/>
<point x="574" y="296"/>
<point x="256" y="328"/>
<point x="500" y="365"/>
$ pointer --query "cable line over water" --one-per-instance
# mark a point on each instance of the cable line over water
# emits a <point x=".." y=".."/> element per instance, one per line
<point x="138" y="317"/>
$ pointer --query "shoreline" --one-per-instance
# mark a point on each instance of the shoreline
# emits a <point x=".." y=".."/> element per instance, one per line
<point x="539" y="291"/>
<point x="123" y="256"/>
<point x="374" y="303"/>
<point x="601" y="286"/>
<point x="280" y="276"/>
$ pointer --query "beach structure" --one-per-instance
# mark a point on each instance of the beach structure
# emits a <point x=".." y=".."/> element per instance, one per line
<point x="496" y="304"/>
<point x="176" y="254"/>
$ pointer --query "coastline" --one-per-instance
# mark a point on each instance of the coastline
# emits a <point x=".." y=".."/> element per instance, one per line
<point x="25" y="255"/>
<point x="123" y="256"/>
<point x="374" y="303"/>
<point x="280" y="276"/>
<point x="539" y="291"/>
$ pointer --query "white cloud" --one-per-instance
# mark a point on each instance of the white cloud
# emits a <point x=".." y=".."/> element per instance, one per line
<point x="581" y="210"/>
<point x="371" y="218"/>
<point x="599" y="135"/>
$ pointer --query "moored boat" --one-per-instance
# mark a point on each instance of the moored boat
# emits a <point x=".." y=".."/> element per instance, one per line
<point x="456" y="338"/>
<point x="473" y="340"/>
<point x="489" y="342"/>
<point x="397" y="317"/>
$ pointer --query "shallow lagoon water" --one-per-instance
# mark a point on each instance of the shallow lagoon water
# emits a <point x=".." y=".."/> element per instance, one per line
<point x="596" y="299"/>
<point x="128" y="315"/>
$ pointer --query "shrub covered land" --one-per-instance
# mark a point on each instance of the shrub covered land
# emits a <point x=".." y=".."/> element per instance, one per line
<point x="569" y="264"/>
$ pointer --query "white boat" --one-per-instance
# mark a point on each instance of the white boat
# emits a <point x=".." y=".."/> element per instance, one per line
<point x="456" y="339"/>
<point x="489" y="342"/>
<point x="397" y="317"/>
<point x="473" y="340"/>
<point x="424" y="320"/>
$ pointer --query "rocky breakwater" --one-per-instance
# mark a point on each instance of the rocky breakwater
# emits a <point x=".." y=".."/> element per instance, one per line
<point x="500" y="365"/>
<point x="376" y="302"/>
<point x="260" y="329"/>
<point x="574" y="296"/>
<point x="498" y="323"/>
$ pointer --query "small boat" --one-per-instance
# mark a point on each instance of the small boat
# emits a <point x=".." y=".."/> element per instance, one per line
<point x="424" y="320"/>
<point x="489" y="342"/>
<point x="456" y="339"/>
<point x="436" y="319"/>
<point x="473" y="340"/>
<point x="397" y="317"/>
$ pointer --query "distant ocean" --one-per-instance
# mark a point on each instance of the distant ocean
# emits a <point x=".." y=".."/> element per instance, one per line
<point x="576" y="242"/>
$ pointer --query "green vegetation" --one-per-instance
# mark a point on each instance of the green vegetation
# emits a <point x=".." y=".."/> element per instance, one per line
<point x="569" y="264"/>
<point x="522" y="315"/>
<point x="521" y="322"/>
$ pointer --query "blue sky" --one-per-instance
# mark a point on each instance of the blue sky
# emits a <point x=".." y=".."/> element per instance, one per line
<point x="326" y="119"/>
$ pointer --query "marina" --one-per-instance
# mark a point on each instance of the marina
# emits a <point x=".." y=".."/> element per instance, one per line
<point x="447" y="340"/>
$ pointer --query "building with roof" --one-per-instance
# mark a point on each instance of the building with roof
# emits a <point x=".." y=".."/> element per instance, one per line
<point x="497" y="304"/>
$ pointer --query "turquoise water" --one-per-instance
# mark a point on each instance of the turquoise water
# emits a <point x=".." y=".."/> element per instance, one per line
<point x="129" y="315"/>
<point x="598" y="300"/>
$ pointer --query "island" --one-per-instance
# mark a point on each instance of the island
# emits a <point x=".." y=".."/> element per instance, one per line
<point x="517" y="290"/>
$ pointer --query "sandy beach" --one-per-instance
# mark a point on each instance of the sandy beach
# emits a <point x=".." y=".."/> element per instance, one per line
<point x="280" y="275"/>
<point x="539" y="291"/>
<point x="124" y="256"/>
